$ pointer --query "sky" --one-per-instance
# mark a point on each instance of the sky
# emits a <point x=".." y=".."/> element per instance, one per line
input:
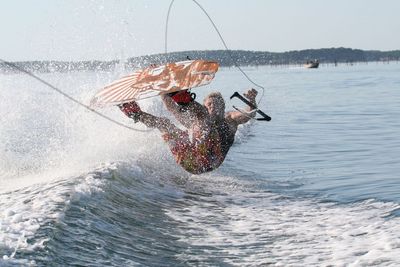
<point x="117" y="29"/>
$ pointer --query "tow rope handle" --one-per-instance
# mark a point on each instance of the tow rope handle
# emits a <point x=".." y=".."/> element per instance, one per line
<point x="265" y="117"/>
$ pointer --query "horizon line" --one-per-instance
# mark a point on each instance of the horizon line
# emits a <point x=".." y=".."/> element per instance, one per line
<point x="183" y="51"/>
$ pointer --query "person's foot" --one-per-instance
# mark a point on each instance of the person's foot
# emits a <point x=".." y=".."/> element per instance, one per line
<point x="131" y="109"/>
<point x="182" y="97"/>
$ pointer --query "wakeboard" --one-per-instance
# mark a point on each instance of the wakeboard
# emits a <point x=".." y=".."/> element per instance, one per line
<point x="156" y="80"/>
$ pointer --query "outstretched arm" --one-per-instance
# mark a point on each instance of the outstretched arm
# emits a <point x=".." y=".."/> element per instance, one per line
<point x="238" y="117"/>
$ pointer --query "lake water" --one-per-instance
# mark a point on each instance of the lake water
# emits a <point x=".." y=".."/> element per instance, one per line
<point x="316" y="186"/>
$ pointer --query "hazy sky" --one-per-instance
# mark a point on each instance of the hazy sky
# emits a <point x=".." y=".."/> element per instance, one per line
<point x="110" y="29"/>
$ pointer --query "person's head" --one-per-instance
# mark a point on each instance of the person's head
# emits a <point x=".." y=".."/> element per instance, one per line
<point x="215" y="104"/>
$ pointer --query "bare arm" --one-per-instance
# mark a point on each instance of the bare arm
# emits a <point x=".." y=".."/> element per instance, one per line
<point x="238" y="117"/>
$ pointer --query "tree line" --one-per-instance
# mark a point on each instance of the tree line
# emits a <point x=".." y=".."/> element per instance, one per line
<point x="226" y="58"/>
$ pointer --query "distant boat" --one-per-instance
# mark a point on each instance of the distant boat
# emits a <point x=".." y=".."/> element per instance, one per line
<point x="313" y="64"/>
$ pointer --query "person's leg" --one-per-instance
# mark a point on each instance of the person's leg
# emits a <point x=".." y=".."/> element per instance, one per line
<point x="164" y="125"/>
<point x="185" y="152"/>
<point x="187" y="115"/>
<point x="177" y="140"/>
<point x="133" y="111"/>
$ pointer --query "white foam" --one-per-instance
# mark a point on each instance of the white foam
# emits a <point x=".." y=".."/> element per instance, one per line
<point x="257" y="229"/>
<point x="40" y="142"/>
<point x="42" y="146"/>
<point x="25" y="211"/>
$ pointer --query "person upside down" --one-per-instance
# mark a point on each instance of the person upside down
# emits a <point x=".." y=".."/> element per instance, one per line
<point x="210" y="131"/>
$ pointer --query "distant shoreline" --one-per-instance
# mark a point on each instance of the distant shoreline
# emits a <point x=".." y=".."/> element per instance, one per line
<point x="225" y="58"/>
